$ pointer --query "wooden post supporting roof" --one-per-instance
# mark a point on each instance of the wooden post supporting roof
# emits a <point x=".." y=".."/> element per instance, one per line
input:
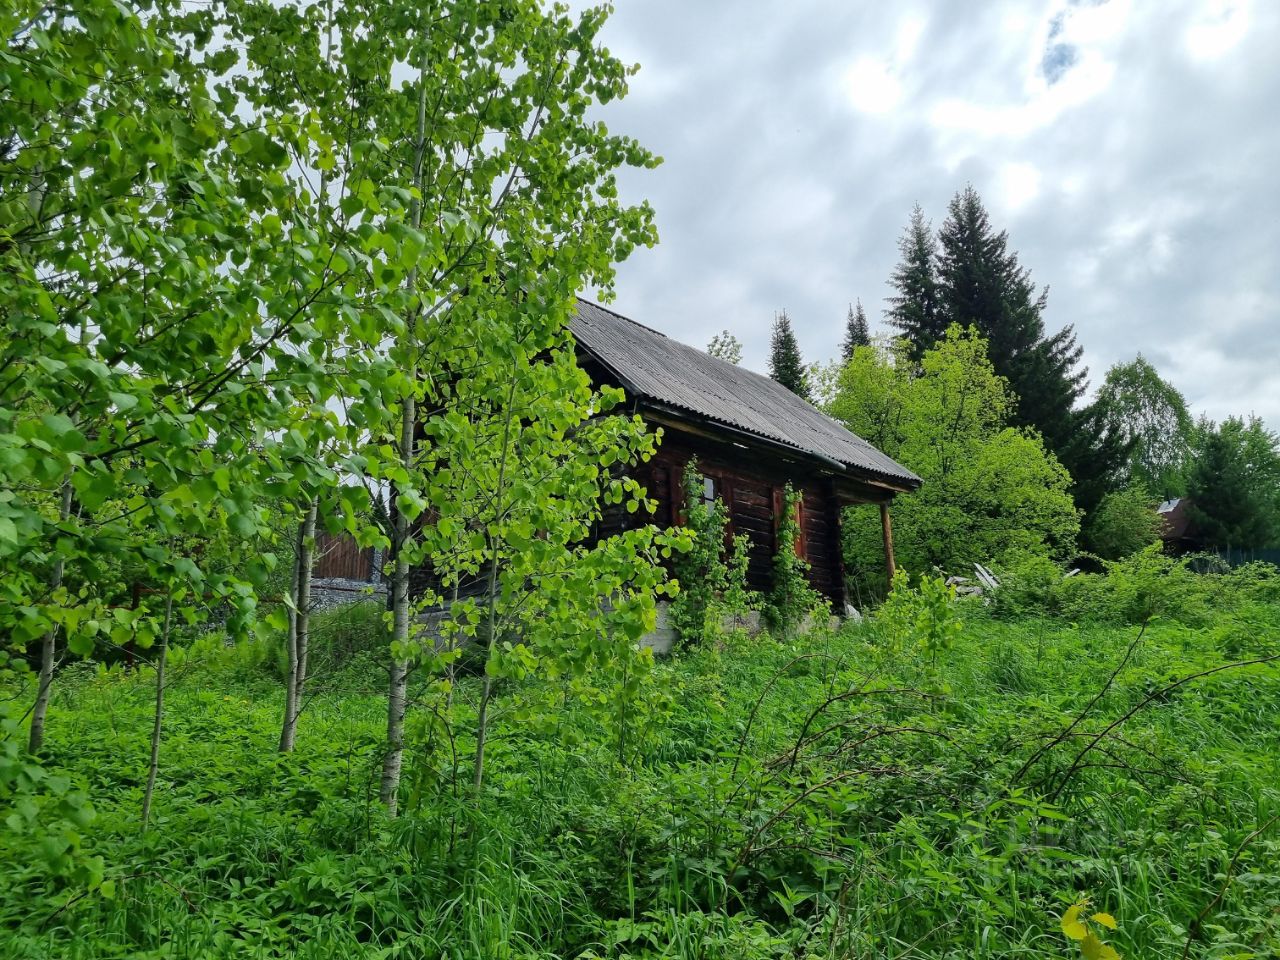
<point x="887" y="526"/>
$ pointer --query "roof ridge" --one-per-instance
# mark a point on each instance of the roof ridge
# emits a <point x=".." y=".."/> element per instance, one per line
<point x="615" y="313"/>
<point x="736" y="367"/>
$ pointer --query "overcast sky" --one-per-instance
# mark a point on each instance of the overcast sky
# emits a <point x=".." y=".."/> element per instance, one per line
<point x="1130" y="147"/>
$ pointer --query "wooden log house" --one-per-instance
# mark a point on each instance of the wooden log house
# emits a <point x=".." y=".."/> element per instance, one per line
<point x="750" y="435"/>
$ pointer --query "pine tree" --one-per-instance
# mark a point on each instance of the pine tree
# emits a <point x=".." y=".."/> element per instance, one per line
<point x="785" y="364"/>
<point x="914" y="310"/>
<point x="856" y="333"/>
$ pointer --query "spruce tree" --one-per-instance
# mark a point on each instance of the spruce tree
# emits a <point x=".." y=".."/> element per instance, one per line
<point x="1225" y="508"/>
<point x="1096" y="456"/>
<point x="785" y="364"/>
<point x="1234" y="484"/>
<point x="856" y="333"/>
<point x="980" y="283"/>
<point x="914" y="308"/>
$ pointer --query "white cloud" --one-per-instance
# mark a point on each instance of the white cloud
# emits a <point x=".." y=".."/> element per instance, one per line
<point x="871" y="87"/>
<point x="1019" y="184"/>
<point x="1217" y="29"/>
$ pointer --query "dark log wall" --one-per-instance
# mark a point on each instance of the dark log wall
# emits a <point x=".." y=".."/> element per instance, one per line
<point x="822" y="543"/>
<point x="751" y="484"/>
<point x="751" y="512"/>
<point x="338" y="556"/>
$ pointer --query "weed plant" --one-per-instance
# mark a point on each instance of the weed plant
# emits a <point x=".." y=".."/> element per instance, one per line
<point x="834" y="795"/>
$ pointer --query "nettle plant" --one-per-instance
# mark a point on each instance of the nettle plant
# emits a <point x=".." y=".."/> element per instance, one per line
<point x="712" y="577"/>
<point x="792" y="601"/>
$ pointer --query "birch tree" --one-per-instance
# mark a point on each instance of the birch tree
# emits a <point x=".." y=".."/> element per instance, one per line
<point x="164" y="298"/>
<point x="478" y="191"/>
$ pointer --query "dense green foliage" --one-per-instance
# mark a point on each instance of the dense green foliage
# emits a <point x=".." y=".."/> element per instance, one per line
<point x="988" y="489"/>
<point x="792" y="603"/>
<point x="710" y="571"/>
<point x="1154" y="421"/>
<point x="250" y="278"/>
<point x="967" y="275"/>
<point x="1234" y="484"/>
<point x="785" y="364"/>
<point x="936" y="782"/>
<point x="1123" y="524"/>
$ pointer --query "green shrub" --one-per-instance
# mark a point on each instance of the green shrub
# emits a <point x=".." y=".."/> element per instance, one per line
<point x="1123" y="524"/>
<point x="1146" y="585"/>
<point x="44" y="816"/>
<point x="1030" y="585"/>
<point x="792" y="601"/>
<point x="920" y="619"/>
<point x="713" y="581"/>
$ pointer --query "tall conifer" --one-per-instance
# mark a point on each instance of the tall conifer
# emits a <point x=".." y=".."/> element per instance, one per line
<point x="913" y="309"/>
<point x="980" y="283"/>
<point x="856" y="333"/>
<point x="785" y="363"/>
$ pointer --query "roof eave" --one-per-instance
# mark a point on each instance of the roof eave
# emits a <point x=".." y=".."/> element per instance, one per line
<point x="892" y="485"/>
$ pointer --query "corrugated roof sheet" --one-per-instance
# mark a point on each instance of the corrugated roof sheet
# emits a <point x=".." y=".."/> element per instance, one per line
<point x="667" y="371"/>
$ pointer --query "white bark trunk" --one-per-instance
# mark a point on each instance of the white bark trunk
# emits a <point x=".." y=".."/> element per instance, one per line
<point x="399" y="674"/>
<point x="157" y="723"/>
<point x="397" y="689"/>
<point x="299" y="630"/>
<point x="48" y="646"/>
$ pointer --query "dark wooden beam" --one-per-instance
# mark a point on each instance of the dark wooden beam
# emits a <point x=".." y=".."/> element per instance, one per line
<point x="887" y="525"/>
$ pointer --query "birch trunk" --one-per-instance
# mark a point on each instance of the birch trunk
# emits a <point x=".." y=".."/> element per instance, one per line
<point x="48" y="645"/>
<point x="158" y="720"/>
<point x="299" y="630"/>
<point x="482" y="719"/>
<point x="397" y="690"/>
<point x="306" y="564"/>
<point x="399" y="675"/>
<point x="291" y="651"/>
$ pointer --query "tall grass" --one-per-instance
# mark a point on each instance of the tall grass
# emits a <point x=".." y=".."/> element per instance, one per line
<point x="753" y="821"/>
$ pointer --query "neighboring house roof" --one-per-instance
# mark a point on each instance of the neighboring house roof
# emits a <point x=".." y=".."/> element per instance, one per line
<point x="652" y="366"/>
<point x="1177" y="519"/>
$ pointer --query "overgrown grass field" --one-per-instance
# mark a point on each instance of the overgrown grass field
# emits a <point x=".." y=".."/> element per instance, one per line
<point x="859" y="793"/>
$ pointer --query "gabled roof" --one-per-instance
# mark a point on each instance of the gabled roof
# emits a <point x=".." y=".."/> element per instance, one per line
<point x="652" y="366"/>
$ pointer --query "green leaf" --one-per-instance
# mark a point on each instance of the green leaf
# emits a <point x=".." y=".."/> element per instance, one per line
<point x="80" y="643"/>
<point x="123" y="401"/>
<point x="1071" y="923"/>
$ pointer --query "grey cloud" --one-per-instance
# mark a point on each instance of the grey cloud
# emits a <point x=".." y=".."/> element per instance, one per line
<point x="1151" y="208"/>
